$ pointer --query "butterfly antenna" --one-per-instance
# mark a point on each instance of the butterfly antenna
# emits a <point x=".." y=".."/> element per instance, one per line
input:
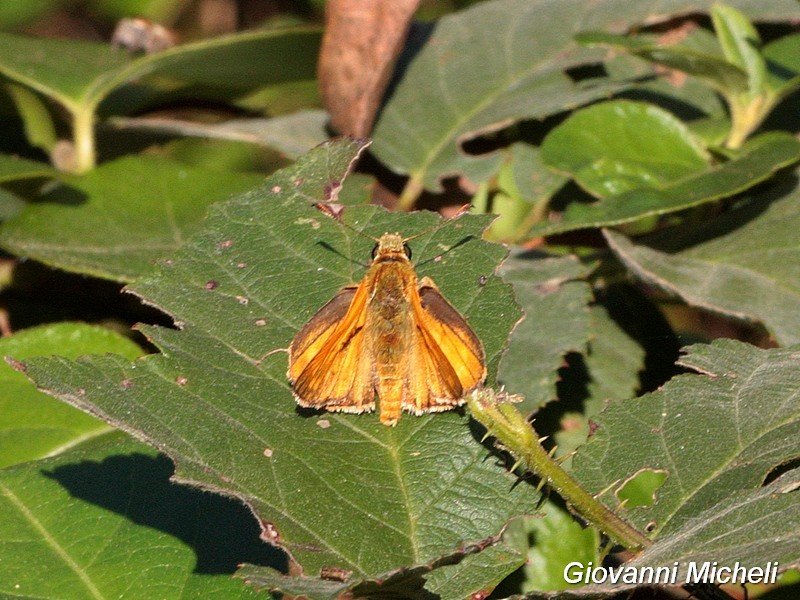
<point x="337" y="216"/>
<point x="442" y="224"/>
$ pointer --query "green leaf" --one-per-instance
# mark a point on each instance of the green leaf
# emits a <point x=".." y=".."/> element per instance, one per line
<point x="783" y="61"/>
<point x="314" y="588"/>
<point x="10" y="205"/>
<point x="337" y="490"/>
<point x="293" y="134"/>
<point x="117" y="220"/>
<point x="158" y="11"/>
<point x="556" y="539"/>
<point x="479" y="568"/>
<point x="14" y="168"/>
<point x="64" y="70"/>
<point x="528" y="177"/>
<point x="104" y="521"/>
<point x="525" y="187"/>
<point x="227" y="66"/>
<point x="611" y="364"/>
<point x="740" y="44"/>
<point x="759" y="159"/>
<point x="614" y="359"/>
<point x="725" y="76"/>
<point x="555" y="300"/>
<point x="476" y="573"/>
<point x="613" y="147"/>
<point x="743" y="265"/>
<point x="758" y="10"/>
<point x="32" y="424"/>
<point x="446" y="97"/>
<point x="641" y="489"/>
<point x="721" y="436"/>
<point x="691" y="99"/>
<point x="40" y="130"/>
<point x="281" y="99"/>
<point x="81" y="74"/>
<point x="357" y="189"/>
<point x="15" y="14"/>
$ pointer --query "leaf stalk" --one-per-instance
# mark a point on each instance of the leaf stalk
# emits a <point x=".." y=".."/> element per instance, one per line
<point x="83" y="138"/>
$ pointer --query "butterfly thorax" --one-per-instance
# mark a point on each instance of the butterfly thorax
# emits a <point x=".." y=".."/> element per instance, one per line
<point x="391" y="276"/>
<point x="388" y="304"/>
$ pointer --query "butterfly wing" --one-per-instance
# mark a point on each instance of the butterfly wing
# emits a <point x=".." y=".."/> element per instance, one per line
<point x="328" y="359"/>
<point x="448" y="361"/>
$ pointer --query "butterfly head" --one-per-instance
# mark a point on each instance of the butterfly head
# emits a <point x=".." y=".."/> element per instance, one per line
<point x="391" y="246"/>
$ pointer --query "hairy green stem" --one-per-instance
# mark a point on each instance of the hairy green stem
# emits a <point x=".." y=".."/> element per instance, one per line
<point x="505" y="423"/>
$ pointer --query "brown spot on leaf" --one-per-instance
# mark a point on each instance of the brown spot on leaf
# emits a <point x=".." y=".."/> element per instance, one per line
<point x="331" y="189"/>
<point x="269" y="533"/>
<point x="550" y="286"/>
<point x="16" y="365"/>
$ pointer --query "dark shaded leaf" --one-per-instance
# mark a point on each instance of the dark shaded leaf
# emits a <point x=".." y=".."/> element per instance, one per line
<point x="117" y="220"/>
<point x="555" y="301"/>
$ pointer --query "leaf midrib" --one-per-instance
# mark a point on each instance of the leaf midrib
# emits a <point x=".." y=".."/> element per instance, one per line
<point x="59" y="550"/>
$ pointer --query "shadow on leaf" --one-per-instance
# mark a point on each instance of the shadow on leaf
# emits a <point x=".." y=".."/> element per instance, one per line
<point x="221" y="531"/>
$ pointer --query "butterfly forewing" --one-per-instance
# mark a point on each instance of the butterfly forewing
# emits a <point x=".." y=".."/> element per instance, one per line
<point x="327" y="356"/>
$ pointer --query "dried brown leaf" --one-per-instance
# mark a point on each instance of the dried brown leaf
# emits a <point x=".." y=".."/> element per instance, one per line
<point x="359" y="50"/>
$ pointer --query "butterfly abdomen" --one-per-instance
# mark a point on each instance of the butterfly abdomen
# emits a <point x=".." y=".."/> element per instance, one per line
<point x="391" y="321"/>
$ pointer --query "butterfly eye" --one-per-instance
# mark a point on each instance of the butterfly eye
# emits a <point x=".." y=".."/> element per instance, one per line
<point x="407" y="250"/>
<point x="374" y="251"/>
